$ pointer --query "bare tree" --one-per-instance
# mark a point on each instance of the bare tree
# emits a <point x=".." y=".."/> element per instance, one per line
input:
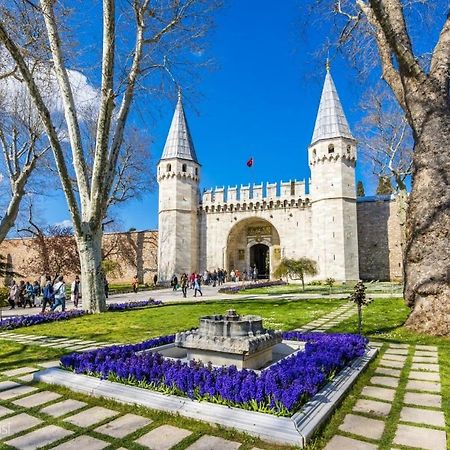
<point x="163" y="32"/>
<point x="23" y="147"/>
<point x="390" y="29"/>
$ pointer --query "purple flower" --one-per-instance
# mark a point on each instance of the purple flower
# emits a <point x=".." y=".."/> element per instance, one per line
<point x="282" y="387"/>
<point x="133" y="305"/>
<point x="11" y="323"/>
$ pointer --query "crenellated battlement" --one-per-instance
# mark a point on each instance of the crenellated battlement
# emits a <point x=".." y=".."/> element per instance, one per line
<point x="256" y="196"/>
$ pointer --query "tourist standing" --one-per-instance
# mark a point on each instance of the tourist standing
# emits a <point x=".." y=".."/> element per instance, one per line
<point x="135" y="284"/>
<point x="59" y="290"/>
<point x="36" y="291"/>
<point x="47" y="294"/>
<point x="13" y="298"/>
<point x="197" y="286"/>
<point x="75" y="291"/>
<point x="155" y="279"/>
<point x="106" y="286"/>
<point x="174" y="282"/>
<point x="28" y="297"/>
<point x="184" y="284"/>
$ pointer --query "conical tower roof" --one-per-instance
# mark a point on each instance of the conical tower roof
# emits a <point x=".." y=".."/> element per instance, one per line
<point x="331" y="121"/>
<point x="179" y="142"/>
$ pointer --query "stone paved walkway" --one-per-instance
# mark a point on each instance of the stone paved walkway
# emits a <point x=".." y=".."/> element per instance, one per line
<point x="32" y="418"/>
<point x="330" y="320"/>
<point x="420" y="422"/>
<point x="79" y="345"/>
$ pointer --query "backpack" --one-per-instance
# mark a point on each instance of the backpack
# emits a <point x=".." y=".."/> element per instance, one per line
<point x="48" y="291"/>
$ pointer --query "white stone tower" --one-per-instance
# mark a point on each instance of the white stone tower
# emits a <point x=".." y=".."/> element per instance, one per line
<point x="332" y="160"/>
<point x="178" y="179"/>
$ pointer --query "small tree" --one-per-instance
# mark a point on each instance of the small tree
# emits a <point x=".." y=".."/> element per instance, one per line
<point x="360" y="192"/>
<point x="359" y="298"/>
<point x="330" y="282"/>
<point x="296" y="269"/>
<point x="384" y="186"/>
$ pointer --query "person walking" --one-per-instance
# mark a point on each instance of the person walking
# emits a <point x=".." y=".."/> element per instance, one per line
<point x="184" y="284"/>
<point x="13" y="297"/>
<point x="174" y="282"/>
<point x="47" y="294"/>
<point x="106" y="286"/>
<point x="135" y="284"/>
<point x="197" y="286"/>
<point x="75" y="291"/>
<point x="36" y="292"/>
<point x="28" y="295"/>
<point x="60" y="294"/>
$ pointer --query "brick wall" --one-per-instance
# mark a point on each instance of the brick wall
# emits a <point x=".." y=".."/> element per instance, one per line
<point x="379" y="240"/>
<point x="136" y="253"/>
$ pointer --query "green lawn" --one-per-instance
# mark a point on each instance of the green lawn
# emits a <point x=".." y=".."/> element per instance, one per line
<point x="134" y="326"/>
<point x="378" y="287"/>
<point x="383" y="321"/>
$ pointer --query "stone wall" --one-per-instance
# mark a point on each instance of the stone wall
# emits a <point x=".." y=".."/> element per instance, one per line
<point x="136" y="253"/>
<point x="379" y="238"/>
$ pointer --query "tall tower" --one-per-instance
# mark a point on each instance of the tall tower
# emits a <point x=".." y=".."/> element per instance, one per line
<point x="178" y="179"/>
<point x="332" y="160"/>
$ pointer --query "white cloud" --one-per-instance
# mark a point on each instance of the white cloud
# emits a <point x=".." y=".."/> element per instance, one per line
<point x="64" y="224"/>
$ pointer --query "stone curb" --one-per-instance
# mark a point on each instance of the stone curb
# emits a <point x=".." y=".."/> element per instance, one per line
<point x="296" y="430"/>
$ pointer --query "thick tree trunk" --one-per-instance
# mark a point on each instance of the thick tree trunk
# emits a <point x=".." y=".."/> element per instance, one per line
<point x="427" y="250"/>
<point x="92" y="286"/>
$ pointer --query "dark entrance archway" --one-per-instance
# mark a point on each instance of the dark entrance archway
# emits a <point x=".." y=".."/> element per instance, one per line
<point x="259" y="258"/>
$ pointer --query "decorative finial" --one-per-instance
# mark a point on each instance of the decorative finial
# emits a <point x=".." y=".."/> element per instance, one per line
<point x="179" y="93"/>
<point x="327" y="64"/>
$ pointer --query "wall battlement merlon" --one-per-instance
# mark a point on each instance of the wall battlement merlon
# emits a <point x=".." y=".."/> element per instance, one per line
<point x="262" y="192"/>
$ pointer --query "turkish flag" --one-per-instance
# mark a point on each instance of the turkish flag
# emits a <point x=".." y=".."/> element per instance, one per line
<point x="250" y="162"/>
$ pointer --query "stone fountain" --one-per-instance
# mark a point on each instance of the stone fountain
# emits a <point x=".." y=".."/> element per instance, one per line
<point x="230" y="339"/>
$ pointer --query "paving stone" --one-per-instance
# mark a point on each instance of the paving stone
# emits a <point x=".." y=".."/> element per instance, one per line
<point x="432" y="400"/>
<point x="213" y="443"/>
<point x="385" y="381"/>
<point x="39" y="438"/>
<point x="424" y="438"/>
<point x="427" y="367"/>
<point x="426" y="376"/>
<point x="5" y="411"/>
<point x="425" y="359"/>
<point x="37" y="399"/>
<point x="124" y="425"/>
<point x="396" y="351"/>
<point x="20" y="371"/>
<point x="163" y="437"/>
<point x="17" y="424"/>
<point x="82" y="443"/>
<point x="379" y="393"/>
<point x="26" y="378"/>
<point x="372" y="407"/>
<point x="419" y="385"/>
<point x="16" y="392"/>
<point x="376" y="344"/>
<point x="91" y="416"/>
<point x="425" y="353"/>
<point x="62" y="408"/>
<point x="388" y="371"/>
<point x="398" y="345"/>
<point x="431" y="348"/>
<point x="393" y="364"/>
<point x="390" y="357"/>
<point x="344" y="443"/>
<point x="47" y="364"/>
<point x="362" y="426"/>
<point x="8" y="385"/>
<point x="422" y="416"/>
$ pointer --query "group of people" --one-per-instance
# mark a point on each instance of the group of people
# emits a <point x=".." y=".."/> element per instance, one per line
<point x="250" y="275"/>
<point x="50" y="292"/>
<point x="193" y="281"/>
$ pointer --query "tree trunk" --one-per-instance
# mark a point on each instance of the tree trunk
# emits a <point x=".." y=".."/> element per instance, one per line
<point x="359" y="319"/>
<point x="427" y="249"/>
<point x="92" y="286"/>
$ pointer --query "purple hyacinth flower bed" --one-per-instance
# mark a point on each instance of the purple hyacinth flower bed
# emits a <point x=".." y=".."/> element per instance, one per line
<point x="133" y="305"/>
<point x="280" y="389"/>
<point x="249" y="286"/>
<point x="11" y="323"/>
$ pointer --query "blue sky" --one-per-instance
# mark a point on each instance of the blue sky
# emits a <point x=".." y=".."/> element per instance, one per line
<point x="260" y="100"/>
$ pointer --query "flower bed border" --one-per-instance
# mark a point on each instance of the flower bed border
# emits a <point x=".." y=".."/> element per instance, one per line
<point x="238" y="288"/>
<point x="296" y="430"/>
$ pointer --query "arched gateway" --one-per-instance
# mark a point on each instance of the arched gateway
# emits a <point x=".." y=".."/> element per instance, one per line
<point x="253" y="242"/>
